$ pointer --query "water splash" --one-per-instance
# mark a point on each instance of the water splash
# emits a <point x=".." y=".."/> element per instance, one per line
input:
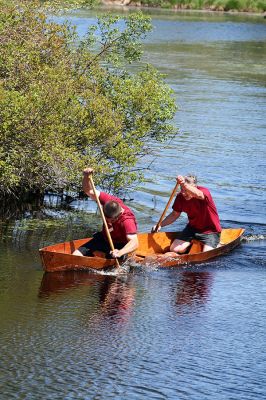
<point x="251" y="238"/>
<point x="109" y="272"/>
<point x="123" y="270"/>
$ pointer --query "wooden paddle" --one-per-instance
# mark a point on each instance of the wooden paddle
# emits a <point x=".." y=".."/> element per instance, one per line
<point x="166" y="207"/>
<point x="103" y="218"/>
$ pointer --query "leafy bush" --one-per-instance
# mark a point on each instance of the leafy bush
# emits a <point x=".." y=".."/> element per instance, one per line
<point x="262" y="5"/>
<point x="227" y="5"/>
<point x="231" y="5"/>
<point x="64" y="106"/>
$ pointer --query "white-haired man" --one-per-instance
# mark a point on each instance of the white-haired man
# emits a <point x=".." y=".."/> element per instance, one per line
<point x="203" y="220"/>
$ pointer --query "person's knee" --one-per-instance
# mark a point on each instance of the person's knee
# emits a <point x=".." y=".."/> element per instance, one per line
<point x="83" y="251"/>
<point x="206" y="247"/>
<point x="179" y="247"/>
<point x="174" y="247"/>
<point x="77" y="253"/>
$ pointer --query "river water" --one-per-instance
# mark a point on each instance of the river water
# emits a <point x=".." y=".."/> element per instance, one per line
<point x="197" y="332"/>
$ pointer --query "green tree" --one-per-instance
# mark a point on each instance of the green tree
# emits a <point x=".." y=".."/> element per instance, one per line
<point x="66" y="103"/>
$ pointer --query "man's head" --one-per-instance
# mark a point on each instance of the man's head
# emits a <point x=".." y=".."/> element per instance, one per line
<point x="112" y="209"/>
<point x="191" y="180"/>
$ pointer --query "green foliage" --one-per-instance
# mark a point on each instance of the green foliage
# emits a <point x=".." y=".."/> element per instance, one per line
<point x="261" y="5"/>
<point x="231" y="5"/>
<point x="66" y="104"/>
<point x="226" y="5"/>
<point x="155" y="3"/>
<point x="69" y="4"/>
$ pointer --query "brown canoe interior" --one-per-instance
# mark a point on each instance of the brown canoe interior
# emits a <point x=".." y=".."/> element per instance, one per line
<point x="59" y="257"/>
<point x="159" y="243"/>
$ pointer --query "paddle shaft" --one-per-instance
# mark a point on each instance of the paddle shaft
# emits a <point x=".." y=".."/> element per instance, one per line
<point x="103" y="218"/>
<point x="166" y="207"/>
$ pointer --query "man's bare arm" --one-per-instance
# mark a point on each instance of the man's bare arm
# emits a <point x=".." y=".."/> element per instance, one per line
<point x="86" y="184"/>
<point x="170" y="218"/>
<point x="131" y="245"/>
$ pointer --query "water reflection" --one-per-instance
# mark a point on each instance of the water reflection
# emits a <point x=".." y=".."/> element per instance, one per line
<point x="59" y="282"/>
<point x="117" y="298"/>
<point x="12" y="208"/>
<point x="116" y="295"/>
<point x="193" y="289"/>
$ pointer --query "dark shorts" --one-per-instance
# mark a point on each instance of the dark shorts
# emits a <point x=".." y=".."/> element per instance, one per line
<point x="210" y="239"/>
<point x="99" y="243"/>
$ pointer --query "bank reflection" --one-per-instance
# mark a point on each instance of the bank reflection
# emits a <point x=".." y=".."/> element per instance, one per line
<point x="193" y="289"/>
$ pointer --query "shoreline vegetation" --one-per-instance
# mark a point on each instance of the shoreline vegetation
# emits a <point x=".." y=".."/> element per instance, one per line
<point x="56" y="96"/>
<point x="232" y="6"/>
<point x="68" y="101"/>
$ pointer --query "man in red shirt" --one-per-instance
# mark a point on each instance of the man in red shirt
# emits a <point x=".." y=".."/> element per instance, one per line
<point x="203" y="220"/>
<point x="120" y="220"/>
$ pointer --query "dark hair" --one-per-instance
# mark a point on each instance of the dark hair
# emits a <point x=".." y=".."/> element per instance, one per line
<point x="191" y="179"/>
<point x="111" y="209"/>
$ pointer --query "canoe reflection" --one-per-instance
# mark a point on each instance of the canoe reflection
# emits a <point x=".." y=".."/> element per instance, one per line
<point x="116" y="295"/>
<point x="194" y="288"/>
<point x="58" y="282"/>
<point x="117" y="298"/>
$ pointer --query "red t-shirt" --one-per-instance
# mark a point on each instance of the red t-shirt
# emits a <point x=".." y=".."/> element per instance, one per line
<point x="202" y="214"/>
<point x="124" y="225"/>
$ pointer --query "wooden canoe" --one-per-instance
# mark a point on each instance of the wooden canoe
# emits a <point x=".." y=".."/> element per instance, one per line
<point x="152" y="246"/>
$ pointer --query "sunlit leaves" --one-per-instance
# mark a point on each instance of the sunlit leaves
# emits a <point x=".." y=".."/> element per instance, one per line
<point x="66" y="104"/>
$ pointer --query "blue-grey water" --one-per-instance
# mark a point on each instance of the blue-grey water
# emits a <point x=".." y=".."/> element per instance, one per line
<point x="193" y="333"/>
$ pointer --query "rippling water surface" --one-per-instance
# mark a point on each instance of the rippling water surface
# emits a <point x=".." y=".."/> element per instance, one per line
<point x="193" y="333"/>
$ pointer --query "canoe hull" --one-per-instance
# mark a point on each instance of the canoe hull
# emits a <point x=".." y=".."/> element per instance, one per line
<point x="59" y="257"/>
<point x="152" y="246"/>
